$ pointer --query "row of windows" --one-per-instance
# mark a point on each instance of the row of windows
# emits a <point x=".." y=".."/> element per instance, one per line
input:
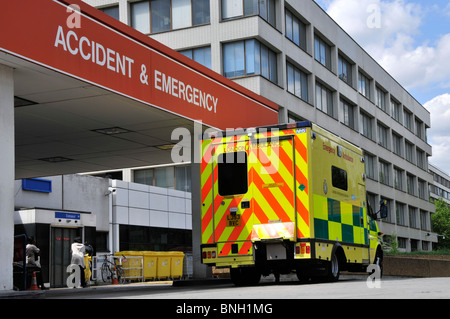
<point x="439" y="192"/>
<point x="173" y="177"/>
<point x="250" y="57"/>
<point x="393" y="176"/>
<point x="153" y="16"/>
<point x="440" y="179"/>
<point x="164" y="15"/>
<point x="398" y="144"/>
<point x="402" y="214"/>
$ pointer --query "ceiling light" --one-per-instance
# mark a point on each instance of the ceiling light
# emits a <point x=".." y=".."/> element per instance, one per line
<point x="165" y="147"/>
<point x="56" y="159"/>
<point x="112" y="130"/>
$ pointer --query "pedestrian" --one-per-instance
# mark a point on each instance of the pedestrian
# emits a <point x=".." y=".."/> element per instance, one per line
<point x="33" y="264"/>
<point x="78" y="251"/>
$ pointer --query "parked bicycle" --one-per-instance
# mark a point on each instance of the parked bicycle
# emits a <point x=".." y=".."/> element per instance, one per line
<point x="109" y="269"/>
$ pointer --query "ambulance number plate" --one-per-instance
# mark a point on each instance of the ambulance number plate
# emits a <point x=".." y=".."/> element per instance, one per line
<point x="233" y="220"/>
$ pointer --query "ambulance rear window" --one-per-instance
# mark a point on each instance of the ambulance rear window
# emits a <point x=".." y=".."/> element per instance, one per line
<point x="339" y="178"/>
<point x="232" y="173"/>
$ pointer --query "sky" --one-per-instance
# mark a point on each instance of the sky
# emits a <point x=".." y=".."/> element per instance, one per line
<point x="410" y="39"/>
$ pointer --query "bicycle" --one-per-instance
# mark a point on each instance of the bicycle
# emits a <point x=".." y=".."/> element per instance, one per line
<point x="109" y="269"/>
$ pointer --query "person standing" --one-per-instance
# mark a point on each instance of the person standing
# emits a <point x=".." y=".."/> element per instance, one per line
<point x="78" y="250"/>
<point x="33" y="265"/>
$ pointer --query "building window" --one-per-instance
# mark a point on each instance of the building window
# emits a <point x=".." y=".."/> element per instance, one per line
<point x="349" y="113"/>
<point x="366" y="125"/>
<point x="324" y="99"/>
<point x="322" y="52"/>
<point x="112" y="11"/>
<point x="397" y="144"/>
<point x="410" y="184"/>
<point x="183" y="178"/>
<point x="297" y="82"/>
<point x="419" y="128"/>
<point x="412" y="217"/>
<point x="398" y="178"/>
<point x="200" y="12"/>
<point x="142" y="238"/>
<point x="383" y="135"/>
<point x="239" y="8"/>
<point x="364" y="85"/>
<point x="409" y="152"/>
<point x="400" y="214"/>
<point x="380" y="99"/>
<point x="179" y="17"/>
<point x="345" y="70"/>
<point x="140" y="16"/>
<point x="424" y="224"/>
<point x="420" y="158"/>
<point x="200" y="55"/>
<point x="160" y="15"/>
<point x="389" y="217"/>
<point x="407" y="122"/>
<point x="249" y="57"/>
<point x="422" y="189"/>
<point x="396" y="111"/>
<point x="384" y="173"/>
<point x="295" y="30"/>
<point x="173" y="177"/>
<point x="164" y="177"/>
<point x="163" y="15"/>
<point x="369" y="161"/>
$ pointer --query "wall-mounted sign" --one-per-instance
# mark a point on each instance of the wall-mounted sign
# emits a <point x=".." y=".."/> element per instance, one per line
<point x="62" y="215"/>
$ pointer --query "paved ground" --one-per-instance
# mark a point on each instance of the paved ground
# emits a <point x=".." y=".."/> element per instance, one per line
<point x="349" y="287"/>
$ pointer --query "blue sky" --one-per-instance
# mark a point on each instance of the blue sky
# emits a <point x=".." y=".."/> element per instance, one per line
<point x="410" y="39"/>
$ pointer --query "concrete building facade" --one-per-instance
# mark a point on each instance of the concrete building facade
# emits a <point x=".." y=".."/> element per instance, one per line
<point x="294" y="54"/>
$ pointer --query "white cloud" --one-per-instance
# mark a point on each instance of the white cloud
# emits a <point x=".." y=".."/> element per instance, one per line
<point x="375" y="24"/>
<point x="439" y="134"/>
<point x="386" y="30"/>
<point x="420" y="66"/>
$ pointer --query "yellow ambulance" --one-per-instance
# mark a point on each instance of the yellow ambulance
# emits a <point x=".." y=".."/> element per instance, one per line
<point x="286" y="198"/>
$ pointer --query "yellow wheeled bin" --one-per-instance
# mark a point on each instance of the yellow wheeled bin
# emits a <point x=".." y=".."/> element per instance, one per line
<point x="176" y="264"/>
<point x="132" y="264"/>
<point x="163" y="268"/>
<point x="150" y="264"/>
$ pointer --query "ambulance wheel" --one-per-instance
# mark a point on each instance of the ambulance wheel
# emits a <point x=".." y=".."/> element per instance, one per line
<point x="245" y="276"/>
<point x="333" y="268"/>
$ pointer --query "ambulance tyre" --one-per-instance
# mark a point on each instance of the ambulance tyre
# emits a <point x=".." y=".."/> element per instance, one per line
<point x="333" y="268"/>
<point x="245" y="276"/>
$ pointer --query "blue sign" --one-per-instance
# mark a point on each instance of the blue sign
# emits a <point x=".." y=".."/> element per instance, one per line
<point x="67" y="215"/>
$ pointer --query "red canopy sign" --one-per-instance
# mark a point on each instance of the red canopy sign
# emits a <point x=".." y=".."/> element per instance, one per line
<point x="93" y="47"/>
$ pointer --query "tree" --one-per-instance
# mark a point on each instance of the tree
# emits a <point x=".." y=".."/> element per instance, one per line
<point x="440" y="223"/>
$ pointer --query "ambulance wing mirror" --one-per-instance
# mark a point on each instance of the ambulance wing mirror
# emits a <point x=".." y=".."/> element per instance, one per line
<point x="383" y="209"/>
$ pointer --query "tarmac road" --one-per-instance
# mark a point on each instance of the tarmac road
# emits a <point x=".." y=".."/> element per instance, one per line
<point x="348" y="287"/>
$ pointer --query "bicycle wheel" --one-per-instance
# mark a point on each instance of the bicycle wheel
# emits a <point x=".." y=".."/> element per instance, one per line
<point x="106" y="272"/>
<point x="120" y="275"/>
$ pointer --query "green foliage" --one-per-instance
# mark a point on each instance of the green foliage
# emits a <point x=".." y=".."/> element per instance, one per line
<point x="391" y="244"/>
<point x="440" y="224"/>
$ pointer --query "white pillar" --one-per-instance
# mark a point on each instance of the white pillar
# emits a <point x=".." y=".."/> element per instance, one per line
<point x="6" y="177"/>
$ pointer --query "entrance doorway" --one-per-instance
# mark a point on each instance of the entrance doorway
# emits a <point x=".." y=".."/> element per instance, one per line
<point x="61" y="240"/>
